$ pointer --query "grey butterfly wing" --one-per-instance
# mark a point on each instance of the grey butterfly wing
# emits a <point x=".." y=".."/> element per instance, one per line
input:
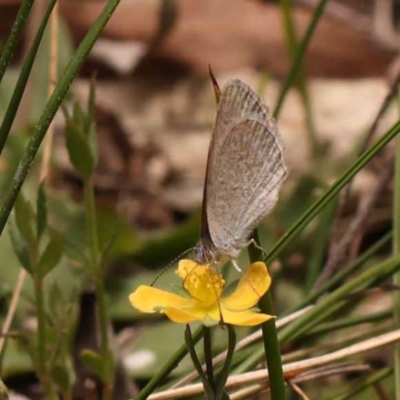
<point x="238" y="103"/>
<point x="246" y="168"/>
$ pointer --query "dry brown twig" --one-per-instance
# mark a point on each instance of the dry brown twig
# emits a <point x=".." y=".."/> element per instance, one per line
<point x="243" y="343"/>
<point x="337" y="252"/>
<point x="296" y="388"/>
<point x="289" y="369"/>
<point x="318" y="373"/>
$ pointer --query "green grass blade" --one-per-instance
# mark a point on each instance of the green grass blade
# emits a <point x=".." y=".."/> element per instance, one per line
<point x="364" y="383"/>
<point x="344" y="272"/>
<point x="300" y="77"/>
<point x="51" y="108"/>
<point x="23" y="78"/>
<point x="334" y="301"/>
<point x="14" y="36"/>
<point x="332" y="192"/>
<point x="301" y="50"/>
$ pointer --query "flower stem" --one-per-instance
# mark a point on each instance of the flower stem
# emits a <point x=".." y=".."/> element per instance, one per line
<point x="270" y="336"/>
<point x="224" y="374"/>
<point x="98" y="273"/>
<point x="209" y="392"/>
<point x="272" y="350"/>
<point x="208" y="356"/>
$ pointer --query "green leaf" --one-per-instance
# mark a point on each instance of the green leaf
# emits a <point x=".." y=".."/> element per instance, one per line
<point x="92" y="140"/>
<point x="95" y="362"/>
<point x="49" y="111"/>
<point x="61" y="376"/>
<point x="25" y="217"/>
<point x="41" y="207"/>
<point x="20" y="248"/>
<point x="79" y="118"/>
<point x="79" y="150"/>
<point x="50" y="257"/>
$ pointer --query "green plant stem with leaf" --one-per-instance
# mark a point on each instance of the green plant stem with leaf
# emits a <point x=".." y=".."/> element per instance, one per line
<point x="82" y="148"/>
<point x="27" y="237"/>
<point x="42" y="353"/>
<point x="50" y="110"/>
<point x="97" y="269"/>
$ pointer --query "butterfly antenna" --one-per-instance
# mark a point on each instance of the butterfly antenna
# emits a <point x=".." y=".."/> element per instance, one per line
<point x="222" y="322"/>
<point x="170" y="264"/>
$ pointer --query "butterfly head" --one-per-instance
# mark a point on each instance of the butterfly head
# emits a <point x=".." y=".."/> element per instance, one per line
<point x="206" y="253"/>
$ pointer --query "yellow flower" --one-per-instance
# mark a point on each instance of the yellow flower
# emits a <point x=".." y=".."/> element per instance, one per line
<point x="204" y="303"/>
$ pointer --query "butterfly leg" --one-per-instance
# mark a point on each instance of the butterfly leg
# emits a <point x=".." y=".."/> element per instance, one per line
<point x="236" y="265"/>
<point x="257" y="246"/>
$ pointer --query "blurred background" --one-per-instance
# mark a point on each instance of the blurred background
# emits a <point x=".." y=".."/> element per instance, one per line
<point x="155" y="109"/>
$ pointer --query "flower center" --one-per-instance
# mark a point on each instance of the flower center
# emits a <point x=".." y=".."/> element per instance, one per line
<point x="205" y="285"/>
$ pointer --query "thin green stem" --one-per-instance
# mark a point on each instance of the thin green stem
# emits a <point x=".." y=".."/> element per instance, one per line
<point x="251" y="361"/>
<point x="208" y="356"/>
<point x="23" y="78"/>
<point x="98" y="273"/>
<point x="336" y="300"/>
<point x="364" y="384"/>
<point x="209" y="391"/>
<point x="344" y="272"/>
<point x="90" y="208"/>
<point x="300" y="77"/>
<point x="42" y="365"/>
<point x="329" y="327"/>
<point x="104" y="342"/>
<point x="50" y="110"/>
<point x="169" y="366"/>
<point x="270" y="336"/>
<point x="396" y="252"/>
<point x="13" y="38"/>
<point x="319" y="246"/>
<point x="332" y="192"/>
<point x="301" y="50"/>
<point x="224" y="374"/>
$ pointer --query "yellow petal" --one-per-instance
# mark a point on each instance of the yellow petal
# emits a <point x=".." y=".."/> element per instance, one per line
<point x="251" y="287"/>
<point x="185" y="267"/>
<point x="244" y="318"/>
<point x="183" y="317"/>
<point x="149" y="299"/>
